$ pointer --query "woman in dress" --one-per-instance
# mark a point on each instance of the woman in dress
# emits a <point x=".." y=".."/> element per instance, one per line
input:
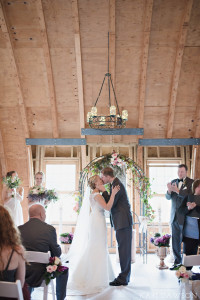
<point x="39" y="181"/>
<point x="89" y="261"/>
<point x="12" y="199"/>
<point x="190" y="208"/>
<point x="12" y="262"/>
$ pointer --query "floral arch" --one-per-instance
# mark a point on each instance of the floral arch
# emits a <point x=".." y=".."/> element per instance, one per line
<point x="120" y="163"/>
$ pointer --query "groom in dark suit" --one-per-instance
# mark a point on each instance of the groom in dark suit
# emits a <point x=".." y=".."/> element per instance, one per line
<point x="41" y="237"/>
<point x="121" y="219"/>
<point x="178" y="189"/>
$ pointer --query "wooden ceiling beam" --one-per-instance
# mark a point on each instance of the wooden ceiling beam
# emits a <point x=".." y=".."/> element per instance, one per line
<point x="5" y="29"/>
<point x="48" y="64"/>
<point x="144" y="60"/>
<point x="177" y="66"/>
<point x="77" y="40"/>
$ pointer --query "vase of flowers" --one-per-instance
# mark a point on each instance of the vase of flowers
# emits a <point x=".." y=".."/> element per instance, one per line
<point x="162" y="244"/>
<point x="54" y="269"/>
<point x="66" y="240"/>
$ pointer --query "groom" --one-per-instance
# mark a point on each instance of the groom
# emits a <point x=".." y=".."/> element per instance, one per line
<point x="121" y="218"/>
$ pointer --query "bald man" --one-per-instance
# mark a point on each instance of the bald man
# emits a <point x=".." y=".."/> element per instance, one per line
<point x="40" y="236"/>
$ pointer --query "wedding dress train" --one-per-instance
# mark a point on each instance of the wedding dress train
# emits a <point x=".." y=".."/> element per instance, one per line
<point x="90" y="271"/>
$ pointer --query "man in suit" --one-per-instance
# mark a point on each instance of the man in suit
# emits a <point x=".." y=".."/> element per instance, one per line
<point x="121" y="219"/>
<point x="178" y="189"/>
<point x="39" y="236"/>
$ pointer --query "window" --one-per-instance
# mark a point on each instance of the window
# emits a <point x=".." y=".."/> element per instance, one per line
<point x="63" y="178"/>
<point x="160" y="173"/>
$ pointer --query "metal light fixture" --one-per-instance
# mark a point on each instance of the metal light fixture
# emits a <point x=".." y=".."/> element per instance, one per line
<point x="114" y="119"/>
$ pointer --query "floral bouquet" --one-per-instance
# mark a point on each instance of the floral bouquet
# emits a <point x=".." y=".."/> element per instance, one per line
<point x="51" y="196"/>
<point x="37" y="193"/>
<point x="161" y="241"/>
<point x="182" y="274"/>
<point x="54" y="269"/>
<point x="12" y="182"/>
<point x="66" y="238"/>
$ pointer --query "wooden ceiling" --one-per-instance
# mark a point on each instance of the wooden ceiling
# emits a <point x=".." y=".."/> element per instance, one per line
<point x="53" y="57"/>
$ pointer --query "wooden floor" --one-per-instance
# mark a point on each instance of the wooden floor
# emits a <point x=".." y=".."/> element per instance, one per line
<point x="147" y="283"/>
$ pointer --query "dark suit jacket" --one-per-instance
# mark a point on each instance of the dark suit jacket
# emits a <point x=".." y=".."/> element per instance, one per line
<point x="183" y="210"/>
<point x="121" y="211"/>
<point x="38" y="236"/>
<point x="177" y="199"/>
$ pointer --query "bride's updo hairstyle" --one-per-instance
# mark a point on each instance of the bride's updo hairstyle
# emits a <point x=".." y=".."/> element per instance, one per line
<point x="92" y="181"/>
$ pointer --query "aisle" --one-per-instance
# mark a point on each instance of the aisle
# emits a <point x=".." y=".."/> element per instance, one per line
<point x="147" y="282"/>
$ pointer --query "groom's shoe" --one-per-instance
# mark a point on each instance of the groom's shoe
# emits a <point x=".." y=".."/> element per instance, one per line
<point x="117" y="283"/>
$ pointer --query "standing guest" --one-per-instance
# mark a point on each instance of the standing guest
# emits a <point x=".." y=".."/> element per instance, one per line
<point x="41" y="237"/>
<point x="177" y="190"/>
<point x="190" y="208"/>
<point x="13" y="196"/>
<point x="121" y="219"/>
<point x="12" y="262"/>
<point x="37" y="192"/>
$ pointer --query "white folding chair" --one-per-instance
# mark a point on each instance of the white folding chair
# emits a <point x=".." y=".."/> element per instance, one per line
<point x="11" y="290"/>
<point x="191" y="260"/>
<point x="43" y="258"/>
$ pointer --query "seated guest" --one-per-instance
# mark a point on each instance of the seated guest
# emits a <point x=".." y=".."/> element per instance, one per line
<point x="12" y="262"/>
<point x="190" y="208"/>
<point x="39" y="236"/>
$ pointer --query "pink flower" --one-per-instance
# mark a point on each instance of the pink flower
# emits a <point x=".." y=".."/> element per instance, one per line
<point x="54" y="268"/>
<point x="114" y="155"/>
<point x="185" y="275"/>
<point x="49" y="269"/>
<point x="178" y="274"/>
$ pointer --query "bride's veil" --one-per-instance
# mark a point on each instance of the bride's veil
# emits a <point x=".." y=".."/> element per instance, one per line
<point x="82" y="229"/>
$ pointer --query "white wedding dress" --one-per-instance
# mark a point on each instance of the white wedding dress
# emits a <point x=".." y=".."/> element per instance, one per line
<point x="90" y="270"/>
<point x="14" y="207"/>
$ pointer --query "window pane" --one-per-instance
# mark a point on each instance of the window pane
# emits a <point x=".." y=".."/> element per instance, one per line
<point x="61" y="177"/>
<point x="160" y="176"/>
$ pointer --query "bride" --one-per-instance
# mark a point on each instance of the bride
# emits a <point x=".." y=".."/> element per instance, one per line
<point x="12" y="199"/>
<point x="90" y="268"/>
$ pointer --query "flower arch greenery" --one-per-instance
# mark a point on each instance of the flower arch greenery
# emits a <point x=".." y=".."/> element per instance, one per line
<point x="119" y="163"/>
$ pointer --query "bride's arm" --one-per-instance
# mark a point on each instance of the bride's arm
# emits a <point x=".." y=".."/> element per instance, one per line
<point x="101" y="200"/>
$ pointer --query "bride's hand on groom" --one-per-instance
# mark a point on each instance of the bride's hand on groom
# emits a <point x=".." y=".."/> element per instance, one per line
<point x="115" y="190"/>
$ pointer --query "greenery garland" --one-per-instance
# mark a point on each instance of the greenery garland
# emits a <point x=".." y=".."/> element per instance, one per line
<point x="119" y="163"/>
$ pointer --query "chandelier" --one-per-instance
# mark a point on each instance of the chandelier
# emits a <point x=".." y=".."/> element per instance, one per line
<point x="114" y="119"/>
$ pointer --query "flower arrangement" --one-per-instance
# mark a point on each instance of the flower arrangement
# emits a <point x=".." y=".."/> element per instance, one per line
<point x="77" y="197"/>
<point x="37" y="193"/>
<point x="161" y="241"/>
<point x="120" y="163"/>
<point x="54" y="269"/>
<point x="182" y="274"/>
<point x="12" y="183"/>
<point x="66" y="238"/>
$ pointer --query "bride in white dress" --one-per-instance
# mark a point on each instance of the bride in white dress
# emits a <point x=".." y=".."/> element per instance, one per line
<point x="90" y="268"/>
<point x="12" y="199"/>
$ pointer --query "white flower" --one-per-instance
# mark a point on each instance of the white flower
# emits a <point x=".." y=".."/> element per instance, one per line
<point x="34" y="191"/>
<point x="57" y="261"/>
<point x="182" y="269"/>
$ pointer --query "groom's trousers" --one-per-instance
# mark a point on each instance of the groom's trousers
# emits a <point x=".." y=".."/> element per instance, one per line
<point x="124" y="240"/>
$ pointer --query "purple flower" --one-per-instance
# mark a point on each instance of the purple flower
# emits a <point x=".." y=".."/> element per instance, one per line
<point x="152" y="240"/>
